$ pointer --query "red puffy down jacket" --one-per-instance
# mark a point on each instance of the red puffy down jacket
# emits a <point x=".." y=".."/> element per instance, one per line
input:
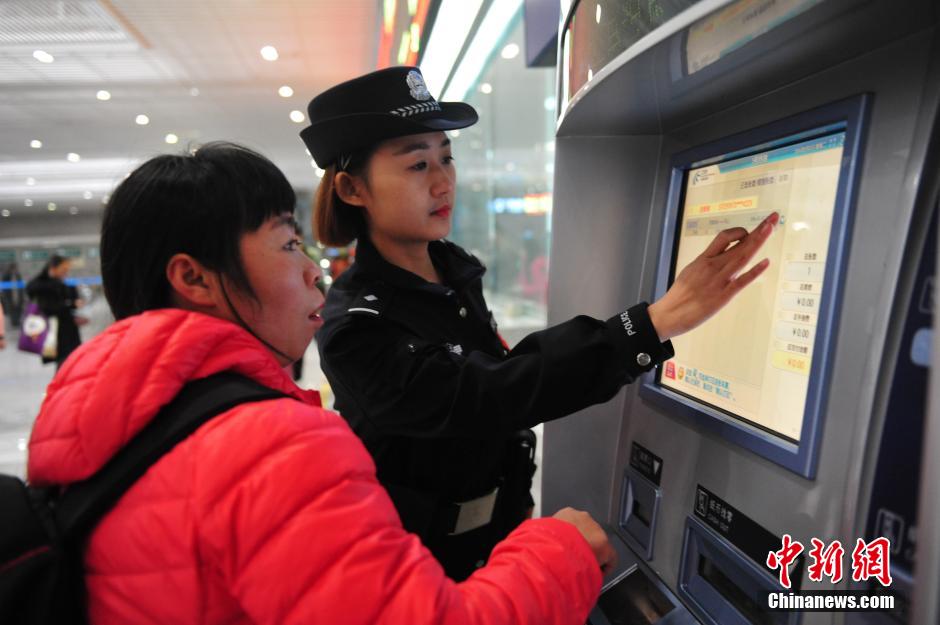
<point x="271" y="512"/>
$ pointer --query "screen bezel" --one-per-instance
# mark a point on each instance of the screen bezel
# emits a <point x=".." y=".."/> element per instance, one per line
<point x="843" y="116"/>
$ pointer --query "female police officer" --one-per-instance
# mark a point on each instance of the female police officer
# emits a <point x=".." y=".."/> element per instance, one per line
<point x="410" y="347"/>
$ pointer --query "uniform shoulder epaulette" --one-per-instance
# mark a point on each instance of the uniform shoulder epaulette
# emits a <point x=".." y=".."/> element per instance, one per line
<point x="370" y="301"/>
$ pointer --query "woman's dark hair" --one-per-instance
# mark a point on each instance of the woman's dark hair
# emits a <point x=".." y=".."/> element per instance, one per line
<point x="200" y="204"/>
<point x="334" y="221"/>
<point x="54" y="261"/>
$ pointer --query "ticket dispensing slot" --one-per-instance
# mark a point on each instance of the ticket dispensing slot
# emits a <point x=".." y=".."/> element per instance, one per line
<point x="640" y="494"/>
<point x="724" y="586"/>
<point x="639" y="507"/>
<point x="634" y="599"/>
<point x="636" y="596"/>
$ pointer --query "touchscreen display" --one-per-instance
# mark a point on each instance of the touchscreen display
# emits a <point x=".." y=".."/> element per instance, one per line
<point x="753" y="359"/>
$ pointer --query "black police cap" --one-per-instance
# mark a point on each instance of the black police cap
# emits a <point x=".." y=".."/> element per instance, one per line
<point x="381" y="105"/>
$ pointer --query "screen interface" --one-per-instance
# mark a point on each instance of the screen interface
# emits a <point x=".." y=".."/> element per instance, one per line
<point x="753" y="359"/>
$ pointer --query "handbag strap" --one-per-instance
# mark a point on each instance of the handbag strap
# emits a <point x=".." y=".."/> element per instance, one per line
<point x="84" y="503"/>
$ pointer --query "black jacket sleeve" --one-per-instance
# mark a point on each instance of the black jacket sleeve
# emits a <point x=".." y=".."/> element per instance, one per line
<point x="50" y="295"/>
<point x="405" y="386"/>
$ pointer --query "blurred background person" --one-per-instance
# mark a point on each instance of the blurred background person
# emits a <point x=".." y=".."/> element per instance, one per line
<point x="57" y="299"/>
<point x="11" y="293"/>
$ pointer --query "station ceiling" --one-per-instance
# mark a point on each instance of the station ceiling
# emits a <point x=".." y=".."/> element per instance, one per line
<point x="193" y="67"/>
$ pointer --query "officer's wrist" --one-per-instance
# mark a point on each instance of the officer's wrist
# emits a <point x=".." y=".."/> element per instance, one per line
<point x="658" y="320"/>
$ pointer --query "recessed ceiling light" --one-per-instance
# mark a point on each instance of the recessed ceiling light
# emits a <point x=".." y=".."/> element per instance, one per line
<point x="51" y="206"/>
<point x="454" y="133"/>
<point x="285" y="91"/>
<point x="171" y="138"/>
<point x="325" y="263"/>
<point x="269" y="53"/>
<point x="73" y="210"/>
<point x="194" y="91"/>
<point x="297" y="116"/>
<point x="103" y="95"/>
<point x="72" y="157"/>
<point x="88" y="195"/>
<point x="27" y="202"/>
<point x="510" y="51"/>
<point x="43" y="57"/>
<point x="35" y="144"/>
<point x="486" y="88"/>
<point x="5" y="213"/>
<point x="30" y="181"/>
<point x="142" y="120"/>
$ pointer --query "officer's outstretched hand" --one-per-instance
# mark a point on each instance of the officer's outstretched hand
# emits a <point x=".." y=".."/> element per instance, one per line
<point x="709" y="282"/>
<point x="594" y="534"/>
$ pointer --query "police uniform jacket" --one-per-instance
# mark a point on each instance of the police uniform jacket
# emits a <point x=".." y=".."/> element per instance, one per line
<point x="421" y="374"/>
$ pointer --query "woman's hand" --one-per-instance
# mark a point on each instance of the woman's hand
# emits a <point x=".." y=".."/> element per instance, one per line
<point x="710" y="281"/>
<point x="594" y="534"/>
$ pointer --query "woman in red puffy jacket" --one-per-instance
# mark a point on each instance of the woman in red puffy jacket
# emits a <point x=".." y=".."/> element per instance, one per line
<point x="270" y="512"/>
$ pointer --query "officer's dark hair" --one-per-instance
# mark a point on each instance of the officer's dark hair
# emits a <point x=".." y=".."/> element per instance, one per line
<point x="198" y="203"/>
<point x="335" y="222"/>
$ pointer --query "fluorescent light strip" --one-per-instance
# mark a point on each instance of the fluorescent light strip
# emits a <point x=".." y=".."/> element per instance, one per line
<point x="43" y="169"/>
<point x="59" y="189"/>
<point x="62" y="180"/>
<point x="498" y="19"/>
<point x="450" y="31"/>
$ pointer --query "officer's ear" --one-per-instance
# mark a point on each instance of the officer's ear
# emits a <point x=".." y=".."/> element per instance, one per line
<point x="350" y="189"/>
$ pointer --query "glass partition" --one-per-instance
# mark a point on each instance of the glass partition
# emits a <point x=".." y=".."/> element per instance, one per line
<point x="504" y="183"/>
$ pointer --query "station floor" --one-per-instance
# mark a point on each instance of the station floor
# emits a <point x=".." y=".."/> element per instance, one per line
<point x="23" y="381"/>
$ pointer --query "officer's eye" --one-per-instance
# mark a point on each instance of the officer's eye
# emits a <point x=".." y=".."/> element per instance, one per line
<point x="420" y="166"/>
<point x="293" y="245"/>
<point x="448" y="160"/>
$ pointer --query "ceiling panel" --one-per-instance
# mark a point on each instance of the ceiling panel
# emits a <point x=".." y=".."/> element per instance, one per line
<point x="192" y="66"/>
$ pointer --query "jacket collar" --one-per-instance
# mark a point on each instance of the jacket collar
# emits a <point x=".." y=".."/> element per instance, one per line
<point x="115" y="384"/>
<point x="456" y="266"/>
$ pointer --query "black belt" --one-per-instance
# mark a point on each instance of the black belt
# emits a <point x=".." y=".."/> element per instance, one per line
<point x="430" y="516"/>
<point x="427" y="515"/>
<point x="466" y="516"/>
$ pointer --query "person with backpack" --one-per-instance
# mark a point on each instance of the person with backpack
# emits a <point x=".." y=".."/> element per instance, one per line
<point x="270" y="512"/>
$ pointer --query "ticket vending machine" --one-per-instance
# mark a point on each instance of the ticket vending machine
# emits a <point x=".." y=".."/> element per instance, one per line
<point x="800" y="411"/>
